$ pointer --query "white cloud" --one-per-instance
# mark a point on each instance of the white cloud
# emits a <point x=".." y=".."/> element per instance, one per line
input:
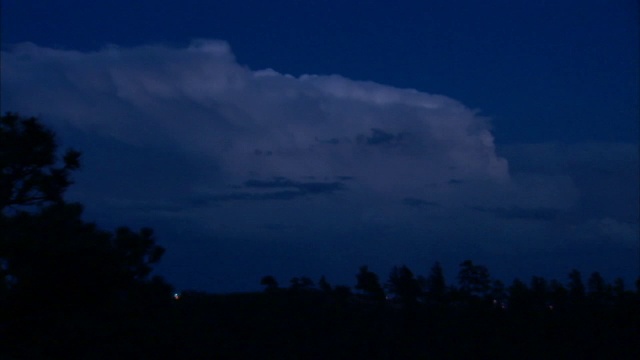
<point x="201" y="100"/>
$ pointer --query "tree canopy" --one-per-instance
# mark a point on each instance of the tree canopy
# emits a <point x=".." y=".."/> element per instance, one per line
<point x="49" y="256"/>
<point x="32" y="173"/>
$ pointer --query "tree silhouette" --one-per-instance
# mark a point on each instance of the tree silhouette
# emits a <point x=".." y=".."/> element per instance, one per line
<point x="324" y="285"/>
<point x="498" y="293"/>
<point x="301" y="283"/>
<point x="49" y="256"/>
<point x="53" y="255"/>
<point x="435" y="284"/>
<point x="136" y="252"/>
<point x="30" y="174"/>
<point x="558" y="294"/>
<point x="369" y="283"/>
<point x="618" y="288"/>
<point x="403" y="284"/>
<point x="576" y="287"/>
<point x="474" y="280"/>
<point x="599" y="292"/>
<point x="519" y="300"/>
<point x="269" y="282"/>
<point x="539" y="292"/>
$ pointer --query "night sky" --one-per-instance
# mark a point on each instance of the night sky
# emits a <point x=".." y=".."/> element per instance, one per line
<point x="308" y="138"/>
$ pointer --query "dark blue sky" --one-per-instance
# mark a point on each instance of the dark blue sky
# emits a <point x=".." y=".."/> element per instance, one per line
<point x="177" y="134"/>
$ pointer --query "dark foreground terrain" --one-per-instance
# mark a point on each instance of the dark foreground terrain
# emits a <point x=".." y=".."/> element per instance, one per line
<point x="314" y="324"/>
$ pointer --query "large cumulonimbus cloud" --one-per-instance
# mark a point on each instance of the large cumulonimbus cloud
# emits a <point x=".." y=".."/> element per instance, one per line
<point x="256" y="124"/>
<point x="189" y="136"/>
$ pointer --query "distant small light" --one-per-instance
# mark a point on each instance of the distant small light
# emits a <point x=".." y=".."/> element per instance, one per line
<point x="176" y="296"/>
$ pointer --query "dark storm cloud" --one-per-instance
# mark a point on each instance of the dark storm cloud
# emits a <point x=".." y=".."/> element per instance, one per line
<point x="253" y="122"/>
<point x="543" y="214"/>
<point x="286" y="189"/>
<point x="265" y="130"/>
<point x="606" y="174"/>
<point x="379" y="136"/>
<point x="418" y="203"/>
<point x="302" y="187"/>
<point x="276" y="195"/>
<point x="345" y="168"/>
<point x="332" y="141"/>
